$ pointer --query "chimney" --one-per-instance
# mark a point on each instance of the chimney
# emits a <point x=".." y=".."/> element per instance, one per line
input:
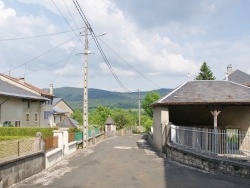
<point x="51" y="89"/>
<point x="21" y="80"/>
<point x="229" y="69"/>
<point x="226" y="76"/>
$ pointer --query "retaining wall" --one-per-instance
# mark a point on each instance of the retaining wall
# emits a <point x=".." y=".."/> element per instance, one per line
<point x="19" y="168"/>
<point x="207" y="162"/>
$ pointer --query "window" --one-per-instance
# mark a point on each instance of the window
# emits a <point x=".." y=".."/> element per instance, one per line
<point x="27" y="117"/>
<point x="28" y="104"/>
<point x="47" y="114"/>
<point x="17" y="123"/>
<point x="36" y="117"/>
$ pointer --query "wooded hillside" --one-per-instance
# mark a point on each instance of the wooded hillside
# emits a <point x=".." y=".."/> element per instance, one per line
<point x="98" y="97"/>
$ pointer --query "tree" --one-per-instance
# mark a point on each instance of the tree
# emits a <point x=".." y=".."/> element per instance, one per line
<point x="148" y="100"/>
<point x="205" y="73"/>
<point x="77" y="115"/>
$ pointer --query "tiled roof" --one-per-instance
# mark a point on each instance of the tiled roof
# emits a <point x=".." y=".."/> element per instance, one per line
<point x="57" y="110"/>
<point x="7" y="89"/>
<point x="56" y="100"/>
<point x="207" y="92"/>
<point x="240" y="77"/>
<point x="109" y="121"/>
<point x="66" y="122"/>
<point x="42" y="92"/>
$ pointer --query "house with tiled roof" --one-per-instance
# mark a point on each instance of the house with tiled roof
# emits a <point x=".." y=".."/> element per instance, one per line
<point x="22" y="104"/>
<point x="62" y="113"/>
<point x="203" y="104"/>
<point x="238" y="76"/>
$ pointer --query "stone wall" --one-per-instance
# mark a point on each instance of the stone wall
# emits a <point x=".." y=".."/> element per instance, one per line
<point x="207" y="162"/>
<point x="19" y="168"/>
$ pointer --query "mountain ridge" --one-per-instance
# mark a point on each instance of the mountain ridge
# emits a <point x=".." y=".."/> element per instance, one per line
<point x="99" y="97"/>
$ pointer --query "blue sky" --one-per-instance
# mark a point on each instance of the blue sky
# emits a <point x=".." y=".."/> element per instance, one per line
<point x="162" y="41"/>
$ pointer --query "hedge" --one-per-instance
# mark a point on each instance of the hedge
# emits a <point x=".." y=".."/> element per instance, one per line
<point x="26" y="131"/>
<point x="2" y="138"/>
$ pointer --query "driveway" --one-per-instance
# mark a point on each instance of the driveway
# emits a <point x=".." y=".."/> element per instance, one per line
<point x="126" y="161"/>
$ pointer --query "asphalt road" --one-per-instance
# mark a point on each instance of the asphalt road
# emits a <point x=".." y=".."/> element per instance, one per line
<point x="126" y="161"/>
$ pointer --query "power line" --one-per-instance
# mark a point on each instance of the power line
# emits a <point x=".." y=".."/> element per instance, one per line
<point x="40" y="55"/>
<point x="98" y="45"/>
<point x="51" y="64"/>
<point x="65" y="20"/>
<point x="37" y="36"/>
<point x="128" y="63"/>
<point x="70" y="14"/>
<point x="65" y="62"/>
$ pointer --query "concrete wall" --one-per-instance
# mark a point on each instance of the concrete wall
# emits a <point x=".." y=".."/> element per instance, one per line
<point x="160" y="120"/>
<point x="19" y="168"/>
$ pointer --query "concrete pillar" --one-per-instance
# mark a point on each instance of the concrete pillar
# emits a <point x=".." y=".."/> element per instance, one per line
<point x="65" y="140"/>
<point x="59" y="133"/>
<point x="160" y="120"/>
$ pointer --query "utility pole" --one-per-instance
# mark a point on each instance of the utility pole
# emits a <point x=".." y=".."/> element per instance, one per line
<point x="85" y="92"/>
<point x="139" y="107"/>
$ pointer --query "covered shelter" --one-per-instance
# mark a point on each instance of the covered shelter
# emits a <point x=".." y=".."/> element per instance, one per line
<point x="204" y="104"/>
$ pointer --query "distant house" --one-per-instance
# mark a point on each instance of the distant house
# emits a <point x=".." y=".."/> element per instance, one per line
<point x="238" y="76"/>
<point x="204" y="104"/>
<point x="67" y="122"/>
<point x="22" y="104"/>
<point x="60" y="110"/>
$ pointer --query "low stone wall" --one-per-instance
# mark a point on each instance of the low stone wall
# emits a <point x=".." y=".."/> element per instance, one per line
<point x="16" y="169"/>
<point x="207" y="162"/>
<point x="97" y="138"/>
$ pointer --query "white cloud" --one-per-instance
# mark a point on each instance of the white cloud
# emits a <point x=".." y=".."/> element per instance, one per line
<point x="5" y="13"/>
<point x="174" y="39"/>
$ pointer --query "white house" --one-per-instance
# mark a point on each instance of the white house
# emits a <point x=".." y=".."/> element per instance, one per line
<point x="22" y="104"/>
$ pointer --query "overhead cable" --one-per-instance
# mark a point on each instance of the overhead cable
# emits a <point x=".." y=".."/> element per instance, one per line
<point x="98" y="45"/>
<point x="66" y="20"/>
<point x="128" y="63"/>
<point x="39" y="55"/>
<point x="37" y="36"/>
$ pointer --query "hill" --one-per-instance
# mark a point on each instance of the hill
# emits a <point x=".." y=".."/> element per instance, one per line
<point x="97" y="97"/>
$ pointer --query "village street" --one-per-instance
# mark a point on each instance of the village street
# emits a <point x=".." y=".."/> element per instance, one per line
<point x="126" y="161"/>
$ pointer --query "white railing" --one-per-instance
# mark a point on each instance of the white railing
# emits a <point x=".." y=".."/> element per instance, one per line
<point x="228" y="142"/>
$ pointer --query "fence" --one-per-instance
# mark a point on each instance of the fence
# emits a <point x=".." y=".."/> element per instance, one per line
<point x="51" y="143"/>
<point x="15" y="147"/>
<point x="228" y="142"/>
<point x="71" y="137"/>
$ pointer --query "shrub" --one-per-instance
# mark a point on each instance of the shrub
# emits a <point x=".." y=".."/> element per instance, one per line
<point x="26" y="131"/>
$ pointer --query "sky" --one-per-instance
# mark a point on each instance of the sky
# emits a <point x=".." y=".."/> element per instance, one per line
<point x="149" y="44"/>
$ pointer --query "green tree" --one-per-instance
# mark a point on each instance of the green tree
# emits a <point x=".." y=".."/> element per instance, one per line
<point x="205" y="73"/>
<point x="77" y="115"/>
<point x="99" y="116"/>
<point x="148" y="100"/>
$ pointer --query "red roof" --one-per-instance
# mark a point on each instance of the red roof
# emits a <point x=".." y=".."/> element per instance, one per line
<point x="19" y="81"/>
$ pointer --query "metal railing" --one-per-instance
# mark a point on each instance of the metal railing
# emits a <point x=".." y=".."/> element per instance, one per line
<point x="224" y="142"/>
